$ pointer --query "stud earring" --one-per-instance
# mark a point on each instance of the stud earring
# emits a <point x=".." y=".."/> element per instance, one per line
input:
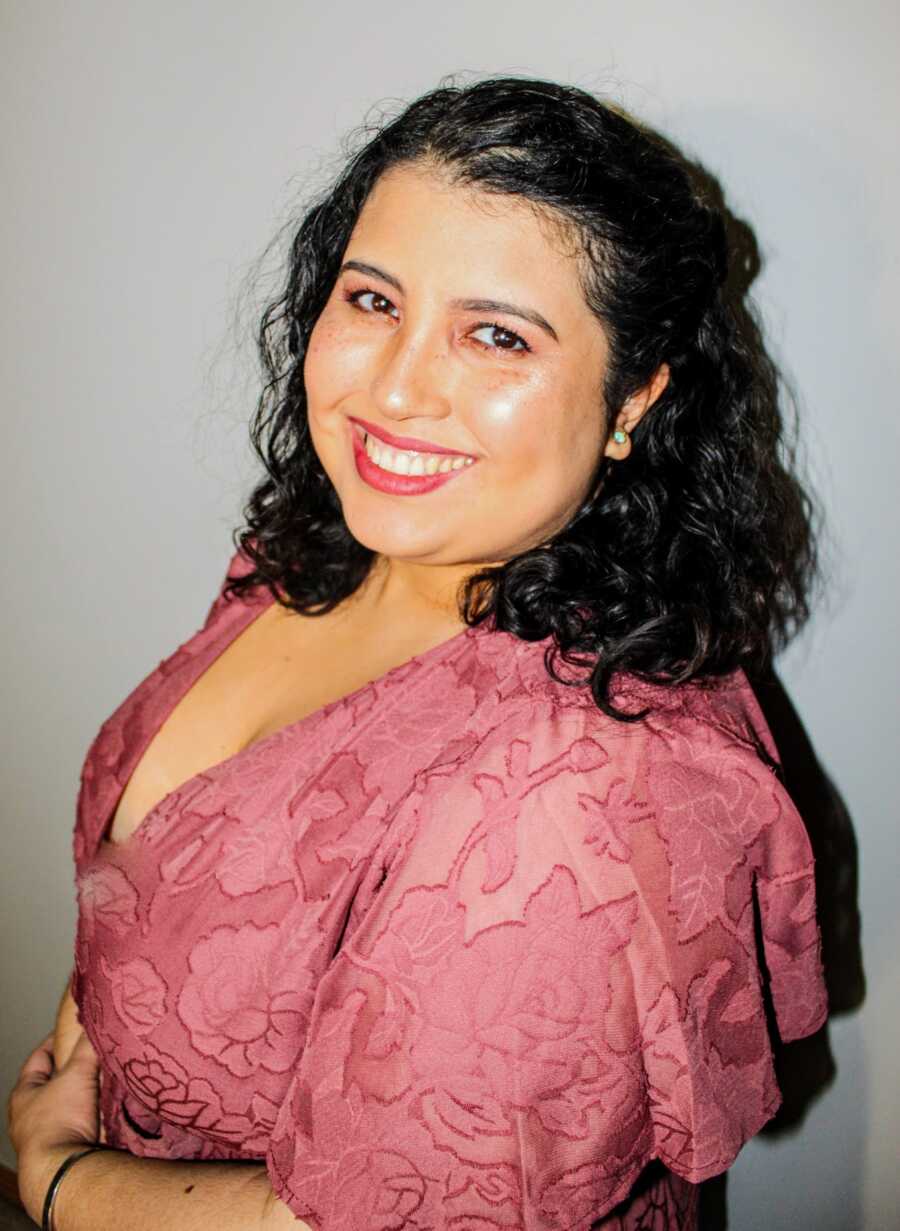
<point x="620" y="437"/>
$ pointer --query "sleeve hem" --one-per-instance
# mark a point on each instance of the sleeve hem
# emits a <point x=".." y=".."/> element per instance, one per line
<point x="715" y="1166"/>
<point x="284" y="1193"/>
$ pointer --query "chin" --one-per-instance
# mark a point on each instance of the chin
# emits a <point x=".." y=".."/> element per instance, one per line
<point x="393" y="535"/>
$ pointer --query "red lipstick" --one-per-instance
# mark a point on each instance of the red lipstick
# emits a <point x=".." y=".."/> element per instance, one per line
<point x="397" y="484"/>
<point x="404" y="442"/>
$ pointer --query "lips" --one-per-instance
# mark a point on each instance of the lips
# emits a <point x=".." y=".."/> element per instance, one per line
<point x="397" y="484"/>
<point x="404" y="442"/>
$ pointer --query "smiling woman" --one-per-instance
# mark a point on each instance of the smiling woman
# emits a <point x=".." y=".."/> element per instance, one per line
<point x="522" y="411"/>
<point x="383" y="921"/>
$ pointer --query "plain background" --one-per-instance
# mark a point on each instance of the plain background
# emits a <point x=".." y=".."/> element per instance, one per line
<point x="152" y="150"/>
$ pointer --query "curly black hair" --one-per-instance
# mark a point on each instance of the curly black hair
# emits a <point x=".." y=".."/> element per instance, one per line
<point x="694" y="556"/>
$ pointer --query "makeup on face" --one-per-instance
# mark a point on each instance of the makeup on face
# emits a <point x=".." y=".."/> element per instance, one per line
<point x="403" y="471"/>
<point x="403" y="465"/>
<point x="455" y="352"/>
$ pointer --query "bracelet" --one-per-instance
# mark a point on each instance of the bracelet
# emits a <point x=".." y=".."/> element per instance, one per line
<point x="50" y="1199"/>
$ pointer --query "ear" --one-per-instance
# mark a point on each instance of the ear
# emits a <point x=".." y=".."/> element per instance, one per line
<point x="632" y="412"/>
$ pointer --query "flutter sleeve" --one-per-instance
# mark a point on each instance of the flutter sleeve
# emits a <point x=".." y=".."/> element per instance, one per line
<point x="557" y="982"/>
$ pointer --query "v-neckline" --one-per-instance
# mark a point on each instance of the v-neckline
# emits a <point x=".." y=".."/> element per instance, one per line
<point x="256" y="605"/>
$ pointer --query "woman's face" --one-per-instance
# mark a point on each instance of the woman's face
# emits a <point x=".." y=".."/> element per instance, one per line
<point x="403" y="350"/>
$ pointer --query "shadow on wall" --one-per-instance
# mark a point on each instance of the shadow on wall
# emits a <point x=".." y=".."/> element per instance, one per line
<point x="804" y="1068"/>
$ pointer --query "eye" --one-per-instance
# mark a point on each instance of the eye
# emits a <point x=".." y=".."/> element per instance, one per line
<point x="509" y="339"/>
<point x="355" y="297"/>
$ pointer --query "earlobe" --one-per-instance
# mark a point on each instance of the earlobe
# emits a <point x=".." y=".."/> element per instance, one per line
<point x="618" y="445"/>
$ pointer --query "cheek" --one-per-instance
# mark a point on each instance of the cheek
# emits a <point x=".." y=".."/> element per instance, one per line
<point x="511" y="417"/>
<point x="529" y="422"/>
<point x="333" y="362"/>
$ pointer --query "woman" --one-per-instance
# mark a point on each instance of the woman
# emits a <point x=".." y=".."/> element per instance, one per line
<point x="416" y="889"/>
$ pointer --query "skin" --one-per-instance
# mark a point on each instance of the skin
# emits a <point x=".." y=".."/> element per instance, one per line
<point x="407" y="358"/>
<point x="412" y="363"/>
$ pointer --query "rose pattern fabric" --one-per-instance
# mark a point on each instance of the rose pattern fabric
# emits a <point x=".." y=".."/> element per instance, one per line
<point x="138" y="993"/>
<point x="240" y="1002"/>
<point x="106" y="898"/>
<point x="455" y="950"/>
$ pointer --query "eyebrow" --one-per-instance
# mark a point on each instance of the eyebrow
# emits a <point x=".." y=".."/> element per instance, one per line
<point x="467" y="305"/>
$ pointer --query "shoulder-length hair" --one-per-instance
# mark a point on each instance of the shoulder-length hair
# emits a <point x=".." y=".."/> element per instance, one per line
<point x="689" y="559"/>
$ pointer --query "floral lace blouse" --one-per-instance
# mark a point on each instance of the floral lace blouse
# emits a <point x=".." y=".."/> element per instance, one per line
<point x="455" y="950"/>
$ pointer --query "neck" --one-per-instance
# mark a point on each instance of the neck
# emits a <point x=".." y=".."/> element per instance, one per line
<point x="426" y="590"/>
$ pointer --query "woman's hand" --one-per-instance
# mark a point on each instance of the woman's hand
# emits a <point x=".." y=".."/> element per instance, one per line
<point x="52" y="1113"/>
<point x="68" y="1028"/>
<point x="67" y="1032"/>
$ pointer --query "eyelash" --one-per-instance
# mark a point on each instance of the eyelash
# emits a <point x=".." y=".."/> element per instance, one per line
<point x="353" y="297"/>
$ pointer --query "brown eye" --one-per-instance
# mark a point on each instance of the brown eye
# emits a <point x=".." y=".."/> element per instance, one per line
<point x="378" y="301"/>
<point x="504" y="339"/>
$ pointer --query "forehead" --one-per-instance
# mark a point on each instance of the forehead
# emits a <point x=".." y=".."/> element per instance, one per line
<point x="417" y="212"/>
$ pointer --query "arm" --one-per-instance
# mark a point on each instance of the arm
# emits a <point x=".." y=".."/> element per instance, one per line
<point x="556" y="985"/>
<point x="113" y="1189"/>
<point x="53" y="1113"/>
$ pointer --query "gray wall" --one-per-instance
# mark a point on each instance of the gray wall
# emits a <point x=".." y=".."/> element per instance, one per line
<point x="150" y="152"/>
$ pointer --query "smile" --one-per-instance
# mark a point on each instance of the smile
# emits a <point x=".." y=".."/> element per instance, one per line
<point x="403" y="472"/>
<point x="410" y="461"/>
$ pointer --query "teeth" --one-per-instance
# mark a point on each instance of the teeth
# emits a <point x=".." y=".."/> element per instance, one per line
<point x="409" y="461"/>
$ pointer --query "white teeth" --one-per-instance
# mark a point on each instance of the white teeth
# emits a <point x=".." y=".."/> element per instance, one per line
<point x="408" y="461"/>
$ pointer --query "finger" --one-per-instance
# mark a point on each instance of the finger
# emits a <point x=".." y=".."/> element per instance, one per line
<point x="82" y="1054"/>
<point x="38" y="1066"/>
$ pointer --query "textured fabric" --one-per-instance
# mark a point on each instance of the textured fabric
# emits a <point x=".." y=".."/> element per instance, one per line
<point x="456" y="950"/>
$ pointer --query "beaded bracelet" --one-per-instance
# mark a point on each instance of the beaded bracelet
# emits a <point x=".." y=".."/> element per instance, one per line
<point x="50" y="1199"/>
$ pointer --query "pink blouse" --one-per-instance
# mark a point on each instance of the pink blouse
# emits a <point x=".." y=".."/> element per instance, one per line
<point x="455" y="950"/>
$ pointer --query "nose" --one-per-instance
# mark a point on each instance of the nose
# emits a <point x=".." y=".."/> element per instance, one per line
<point x="410" y="376"/>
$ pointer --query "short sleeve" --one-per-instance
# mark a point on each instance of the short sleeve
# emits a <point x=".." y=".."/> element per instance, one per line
<point x="556" y="984"/>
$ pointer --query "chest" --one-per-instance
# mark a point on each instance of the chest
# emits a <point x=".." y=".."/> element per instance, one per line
<point x="279" y="669"/>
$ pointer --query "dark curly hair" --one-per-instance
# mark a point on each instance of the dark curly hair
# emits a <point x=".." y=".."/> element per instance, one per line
<point x="694" y="556"/>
